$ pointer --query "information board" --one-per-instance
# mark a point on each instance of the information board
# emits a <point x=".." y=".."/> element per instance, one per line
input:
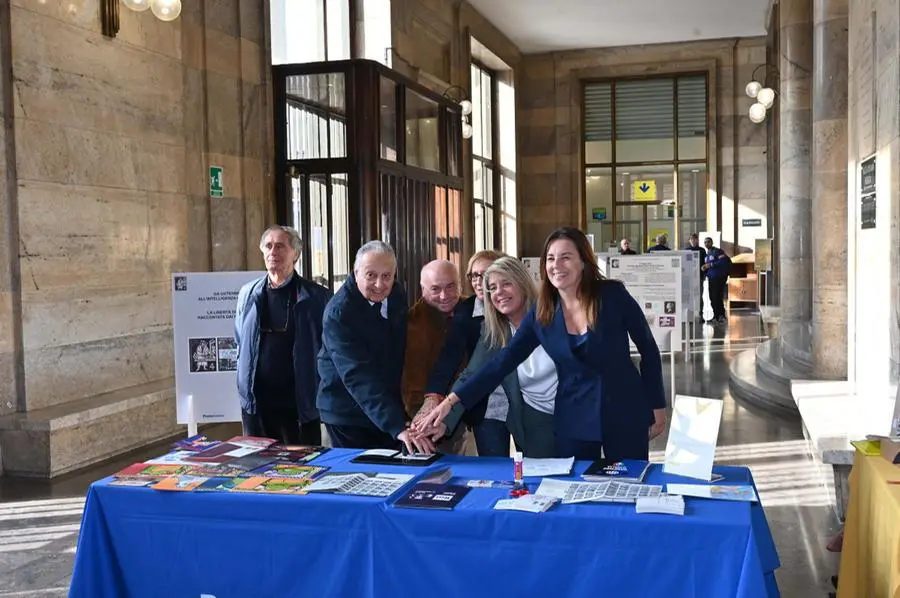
<point x="203" y="306"/>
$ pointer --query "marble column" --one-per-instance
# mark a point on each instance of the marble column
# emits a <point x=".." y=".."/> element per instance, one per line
<point x="794" y="231"/>
<point x="829" y="188"/>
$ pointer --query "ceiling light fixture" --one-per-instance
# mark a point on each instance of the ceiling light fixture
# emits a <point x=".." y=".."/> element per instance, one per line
<point x="164" y="10"/>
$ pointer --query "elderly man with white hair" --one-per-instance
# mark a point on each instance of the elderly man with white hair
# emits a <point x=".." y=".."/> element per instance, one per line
<point x="278" y="329"/>
<point x="361" y="361"/>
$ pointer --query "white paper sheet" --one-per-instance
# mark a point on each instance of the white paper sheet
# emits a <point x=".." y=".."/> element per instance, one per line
<point x="737" y="493"/>
<point x="547" y="467"/>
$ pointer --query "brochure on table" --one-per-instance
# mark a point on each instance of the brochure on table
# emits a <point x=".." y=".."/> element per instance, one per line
<point x="203" y="306"/>
<point x="693" y="434"/>
<point x="655" y="282"/>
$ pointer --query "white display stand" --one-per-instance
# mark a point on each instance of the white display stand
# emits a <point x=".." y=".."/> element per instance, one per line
<point x="203" y="307"/>
<point x="693" y="435"/>
<point x="692" y="291"/>
<point x="655" y="281"/>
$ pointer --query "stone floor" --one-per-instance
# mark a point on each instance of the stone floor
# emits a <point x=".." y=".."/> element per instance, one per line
<point x="39" y="520"/>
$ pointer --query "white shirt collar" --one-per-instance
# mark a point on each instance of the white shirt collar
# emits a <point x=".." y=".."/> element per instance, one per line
<point x="383" y="307"/>
<point x="478" y="310"/>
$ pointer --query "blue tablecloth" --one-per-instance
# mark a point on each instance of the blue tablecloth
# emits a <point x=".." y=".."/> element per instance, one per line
<point x="138" y="542"/>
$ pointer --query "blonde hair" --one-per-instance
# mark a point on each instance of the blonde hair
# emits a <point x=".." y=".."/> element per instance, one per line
<point x="496" y="326"/>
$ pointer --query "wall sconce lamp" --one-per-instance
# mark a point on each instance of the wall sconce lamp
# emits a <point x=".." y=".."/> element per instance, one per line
<point x="465" y="107"/>
<point x="164" y="10"/>
<point x="764" y="94"/>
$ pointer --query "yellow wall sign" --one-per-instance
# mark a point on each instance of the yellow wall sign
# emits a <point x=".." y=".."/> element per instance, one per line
<point x="644" y="190"/>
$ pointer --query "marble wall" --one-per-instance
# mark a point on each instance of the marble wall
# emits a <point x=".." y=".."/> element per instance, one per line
<point x="113" y="141"/>
<point x="549" y="116"/>
<point x="874" y="130"/>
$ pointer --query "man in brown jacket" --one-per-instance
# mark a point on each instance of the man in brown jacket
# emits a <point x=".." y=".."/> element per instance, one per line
<point x="426" y="330"/>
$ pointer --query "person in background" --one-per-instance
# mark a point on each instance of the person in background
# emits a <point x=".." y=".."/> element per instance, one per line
<point x="524" y="402"/>
<point x="716" y="267"/>
<point x="426" y="329"/>
<point x="278" y="329"/>
<point x="694" y="245"/>
<point x="361" y="360"/>
<point x="605" y="405"/>
<point x="465" y="330"/>
<point x="625" y="248"/>
<point x="662" y="243"/>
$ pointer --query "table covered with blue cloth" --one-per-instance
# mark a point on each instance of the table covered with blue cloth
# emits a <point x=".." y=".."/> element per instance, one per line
<point x="140" y="542"/>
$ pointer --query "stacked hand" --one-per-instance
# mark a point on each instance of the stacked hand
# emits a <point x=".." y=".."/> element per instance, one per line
<point x="420" y="437"/>
<point x="435" y="416"/>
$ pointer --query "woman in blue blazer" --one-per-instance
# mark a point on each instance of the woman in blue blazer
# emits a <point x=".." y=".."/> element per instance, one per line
<point x="605" y="406"/>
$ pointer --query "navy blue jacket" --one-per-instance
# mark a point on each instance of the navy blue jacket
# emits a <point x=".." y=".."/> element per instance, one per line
<point x="307" y="314"/>
<point x="719" y="263"/>
<point x="604" y="394"/>
<point x="361" y="361"/>
<point x="462" y="338"/>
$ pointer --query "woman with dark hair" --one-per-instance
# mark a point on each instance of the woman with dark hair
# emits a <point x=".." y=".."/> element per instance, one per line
<point x="605" y="406"/>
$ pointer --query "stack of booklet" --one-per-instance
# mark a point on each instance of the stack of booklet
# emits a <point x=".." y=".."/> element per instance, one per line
<point x="240" y="464"/>
<point x="530" y="503"/>
<point x="664" y="504"/>
<point x="624" y="470"/>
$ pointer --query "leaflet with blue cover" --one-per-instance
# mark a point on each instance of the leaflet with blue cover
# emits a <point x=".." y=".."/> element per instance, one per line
<point x="432" y="496"/>
<point x="624" y="470"/>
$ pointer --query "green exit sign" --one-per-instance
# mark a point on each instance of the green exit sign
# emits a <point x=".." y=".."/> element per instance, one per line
<point x="216" y="184"/>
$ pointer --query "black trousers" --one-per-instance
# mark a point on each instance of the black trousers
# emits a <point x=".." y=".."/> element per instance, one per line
<point x="717" y="296"/>
<point x="282" y="425"/>
<point x="360" y="437"/>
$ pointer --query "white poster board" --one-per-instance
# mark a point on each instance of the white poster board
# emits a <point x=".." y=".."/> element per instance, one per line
<point x="693" y="435"/>
<point x="203" y="306"/>
<point x="655" y="283"/>
<point x="691" y="290"/>
<point x="533" y="265"/>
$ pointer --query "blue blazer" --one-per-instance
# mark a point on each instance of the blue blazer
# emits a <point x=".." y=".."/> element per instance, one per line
<point x="361" y="361"/>
<point x="601" y="394"/>
<point x="510" y="383"/>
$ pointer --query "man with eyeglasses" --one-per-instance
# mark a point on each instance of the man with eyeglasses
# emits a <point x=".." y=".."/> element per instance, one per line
<point x="278" y="329"/>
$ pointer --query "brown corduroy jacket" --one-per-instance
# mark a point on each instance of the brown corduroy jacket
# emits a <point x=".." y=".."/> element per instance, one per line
<point x="426" y="331"/>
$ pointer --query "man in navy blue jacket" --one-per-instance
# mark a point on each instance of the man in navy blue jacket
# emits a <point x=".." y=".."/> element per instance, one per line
<point x="278" y="329"/>
<point x="361" y="360"/>
<point x="716" y="267"/>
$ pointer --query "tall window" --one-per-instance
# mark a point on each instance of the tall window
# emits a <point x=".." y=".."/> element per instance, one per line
<point x="645" y="159"/>
<point x="322" y="30"/>
<point x="494" y="158"/>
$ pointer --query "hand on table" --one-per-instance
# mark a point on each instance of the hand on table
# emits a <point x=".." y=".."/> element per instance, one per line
<point x="416" y="442"/>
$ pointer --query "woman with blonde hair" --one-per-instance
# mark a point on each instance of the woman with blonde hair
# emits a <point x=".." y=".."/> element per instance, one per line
<point x="606" y="407"/>
<point x="523" y="403"/>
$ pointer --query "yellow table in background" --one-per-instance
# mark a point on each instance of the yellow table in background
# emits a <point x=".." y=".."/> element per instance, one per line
<point x="870" y="557"/>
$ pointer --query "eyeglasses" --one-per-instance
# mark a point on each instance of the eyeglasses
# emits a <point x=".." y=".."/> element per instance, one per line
<point x="287" y="321"/>
<point x="473" y="276"/>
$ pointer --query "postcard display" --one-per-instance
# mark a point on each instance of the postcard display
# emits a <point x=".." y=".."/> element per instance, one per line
<point x="203" y="306"/>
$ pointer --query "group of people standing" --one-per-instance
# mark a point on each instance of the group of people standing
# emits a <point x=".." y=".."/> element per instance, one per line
<point x="545" y="364"/>
<point x="714" y="268"/>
